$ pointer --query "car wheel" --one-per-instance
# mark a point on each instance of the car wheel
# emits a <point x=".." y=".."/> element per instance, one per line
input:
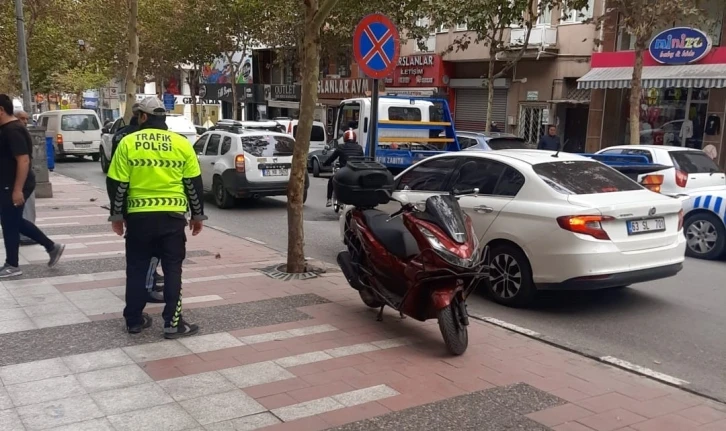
<point x="105" y="164"/>
<point x="510" y="277"/>
<point x="316" y="168"/>
<point x="96" y="157"/>
<point x="221" y="197"/>
<point x="705" y="236"/>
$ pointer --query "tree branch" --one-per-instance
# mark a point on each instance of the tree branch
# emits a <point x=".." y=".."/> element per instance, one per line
<point x="510" y="63"/>
<point x="324" y="9"/>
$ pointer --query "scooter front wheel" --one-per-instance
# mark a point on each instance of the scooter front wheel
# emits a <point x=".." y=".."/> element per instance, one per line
<point x="453" y="329"/>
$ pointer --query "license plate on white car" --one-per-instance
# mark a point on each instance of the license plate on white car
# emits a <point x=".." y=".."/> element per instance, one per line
<point x="646" y="226"/>
<point x="275" y="172"/>
<point x="82" y="145"/>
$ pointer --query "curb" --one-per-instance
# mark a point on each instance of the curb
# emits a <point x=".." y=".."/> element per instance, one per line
<point x="603" y="359"/>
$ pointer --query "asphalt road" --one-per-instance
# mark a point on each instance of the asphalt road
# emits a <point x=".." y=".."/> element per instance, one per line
<point x="675" y="326"/>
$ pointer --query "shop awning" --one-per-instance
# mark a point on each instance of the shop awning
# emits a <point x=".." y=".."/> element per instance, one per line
<point x="689" y="76"/>
<point x="575" y="96"/>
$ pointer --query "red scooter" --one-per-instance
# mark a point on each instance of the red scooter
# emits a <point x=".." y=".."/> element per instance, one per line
<point x="423" y="261"/>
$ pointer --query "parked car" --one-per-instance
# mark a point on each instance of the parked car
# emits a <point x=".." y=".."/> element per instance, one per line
<point x="487" y="141"/>
<point x="176" y="123"/>
<point x="75" y="132"/>
<point x="554" y="223"/>
<point x="689" y="170"/>
<point x="245" y="164"/>
<point x="705" y="224"/>
<point x="318" y="135"/>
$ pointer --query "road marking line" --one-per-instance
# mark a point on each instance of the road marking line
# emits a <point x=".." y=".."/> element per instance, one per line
<point x="256" y="241"/>
<point x="645" y="371"/>
<point x="510" y="326"/>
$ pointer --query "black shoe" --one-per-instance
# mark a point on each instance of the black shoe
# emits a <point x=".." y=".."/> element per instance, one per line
<point x="145" y="324"/>
<point x="55" y="254"/>
<point x="183" y="329"/>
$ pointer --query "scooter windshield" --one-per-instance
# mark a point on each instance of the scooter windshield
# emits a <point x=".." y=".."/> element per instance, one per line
<point x="445" y="212"/>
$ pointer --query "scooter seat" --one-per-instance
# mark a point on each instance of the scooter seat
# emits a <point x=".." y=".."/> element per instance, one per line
<point x="392" y="234"/>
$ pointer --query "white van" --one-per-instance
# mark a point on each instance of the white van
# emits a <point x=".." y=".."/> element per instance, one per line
<point x="75" y="132"/>
<point x="356" y="114"/>
<point x="318" y="135"/>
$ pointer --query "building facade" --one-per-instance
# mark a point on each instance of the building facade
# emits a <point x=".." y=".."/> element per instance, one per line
<point x="540" y="89"/>
<point x="683" y="100"/>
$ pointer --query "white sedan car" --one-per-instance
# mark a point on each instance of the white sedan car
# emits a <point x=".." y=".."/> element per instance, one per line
<point x="554" y="222"/>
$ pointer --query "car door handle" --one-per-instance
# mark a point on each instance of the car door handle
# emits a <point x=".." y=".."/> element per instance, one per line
<point x="483" y="209"/>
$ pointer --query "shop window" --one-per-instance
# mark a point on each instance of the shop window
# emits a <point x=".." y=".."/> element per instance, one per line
<point x="670" y="116"/>
<point x="398" y="113"/>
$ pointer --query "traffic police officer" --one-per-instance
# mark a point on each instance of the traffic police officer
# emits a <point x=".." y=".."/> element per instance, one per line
<point x="153" y="180"/>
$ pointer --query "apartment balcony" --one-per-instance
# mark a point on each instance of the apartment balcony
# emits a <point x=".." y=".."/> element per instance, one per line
<point x="542" y="37"/>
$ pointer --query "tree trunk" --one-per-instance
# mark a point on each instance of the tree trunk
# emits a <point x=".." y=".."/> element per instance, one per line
<point x="309" y="97"/>
<point x="635" y="90"/>
<point x="133" y="59"/>
<point x="490" y="93"/>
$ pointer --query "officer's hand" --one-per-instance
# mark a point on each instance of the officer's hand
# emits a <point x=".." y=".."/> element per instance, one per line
<point x="195" y="226"/>
<point x="118" y="227"/>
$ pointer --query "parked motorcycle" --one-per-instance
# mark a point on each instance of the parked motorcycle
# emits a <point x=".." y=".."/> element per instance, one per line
<point x="423" y="261"/>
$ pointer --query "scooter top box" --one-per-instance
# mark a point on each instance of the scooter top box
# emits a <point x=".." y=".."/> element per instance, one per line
<point x="363" y="183"/>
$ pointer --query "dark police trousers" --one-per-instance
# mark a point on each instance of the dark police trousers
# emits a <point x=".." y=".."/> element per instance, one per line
<point x="154" y="234"/>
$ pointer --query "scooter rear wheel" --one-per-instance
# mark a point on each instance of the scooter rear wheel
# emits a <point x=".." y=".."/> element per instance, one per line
<point x="455" y="333"/>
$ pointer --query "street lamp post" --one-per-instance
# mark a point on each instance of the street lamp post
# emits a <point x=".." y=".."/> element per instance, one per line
<point x="23" y="57"/>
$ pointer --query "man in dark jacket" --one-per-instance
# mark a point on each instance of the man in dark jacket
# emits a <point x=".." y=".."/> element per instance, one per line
<point x="154" y="280"/>
<point x="350" y="148"/>
<point x="550" y="141"/>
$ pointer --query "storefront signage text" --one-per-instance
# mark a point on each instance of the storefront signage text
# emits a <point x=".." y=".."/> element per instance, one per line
<point x="286" y="92"/>
<point x="349" y="86"/>
<point x="680" y="45"/>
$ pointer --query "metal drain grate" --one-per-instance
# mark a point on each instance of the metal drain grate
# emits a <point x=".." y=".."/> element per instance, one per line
<point x="277" y="272"/>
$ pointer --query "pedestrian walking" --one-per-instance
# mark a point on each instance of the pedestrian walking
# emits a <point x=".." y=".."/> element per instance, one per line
<point x="154" y="281"/>
<point x="17" y="183"/>
<point x="154" y="178"/>
<point x="29" y="208"/>
<point x="550" y="141"/>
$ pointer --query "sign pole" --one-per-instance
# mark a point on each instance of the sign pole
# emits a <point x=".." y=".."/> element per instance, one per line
<point x="373" y="129"/>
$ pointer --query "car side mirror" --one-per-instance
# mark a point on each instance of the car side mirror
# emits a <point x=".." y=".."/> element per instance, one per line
<point x="105" y="130"/>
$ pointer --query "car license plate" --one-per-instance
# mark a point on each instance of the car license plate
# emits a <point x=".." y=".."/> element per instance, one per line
<point x="79" y="145"/>
<point x="646" y="226"/>
<point x="275" y="172"/>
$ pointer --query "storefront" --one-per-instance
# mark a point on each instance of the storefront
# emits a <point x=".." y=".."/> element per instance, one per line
<point x="247" y="98"/>
<point x="283" y="101"/>
<point x="470" y="103"/>
<point x="423" y="75"/>
<point x="683" y="96"/>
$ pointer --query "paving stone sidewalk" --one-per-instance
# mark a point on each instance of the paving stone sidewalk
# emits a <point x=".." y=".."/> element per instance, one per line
<point x="279" y="355"/>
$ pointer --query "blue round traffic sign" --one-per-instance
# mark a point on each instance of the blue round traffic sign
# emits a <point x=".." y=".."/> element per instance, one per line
<point x="376" y="45"/>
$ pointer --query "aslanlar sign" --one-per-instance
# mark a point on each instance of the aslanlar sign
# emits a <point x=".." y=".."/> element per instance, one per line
<point x="680" y="45"/>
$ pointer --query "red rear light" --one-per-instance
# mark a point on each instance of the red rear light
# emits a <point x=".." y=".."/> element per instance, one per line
<point x="289" y="128"/>
<point x="239" y="163"/>
<point x="653" y="182"/>
<point x="680" y="220"/>
<point x="681" y="178"/>
<point x="586" y="225"/>
<point x="59" y="139"/>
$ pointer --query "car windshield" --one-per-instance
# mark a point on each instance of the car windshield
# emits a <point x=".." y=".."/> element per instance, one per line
<point x="694" y="162"/>
<point x="268" y="145"/>
<point x="317" y="134"/>
<point x="79" y="122"/>
<point x="506" y="143"/>
<point x="580" y="177"/>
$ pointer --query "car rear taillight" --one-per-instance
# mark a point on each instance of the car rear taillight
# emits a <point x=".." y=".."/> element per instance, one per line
<point x="239" y="163"/>
<point x="653" y="182"/>
<point x="289" y="128"/>
<point x="585" y="224"/>
<point x="680" y="220"/>
<point x="681" y="178"/>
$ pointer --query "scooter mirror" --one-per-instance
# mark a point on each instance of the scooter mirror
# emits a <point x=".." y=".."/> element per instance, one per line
<point x="476" y="192"/>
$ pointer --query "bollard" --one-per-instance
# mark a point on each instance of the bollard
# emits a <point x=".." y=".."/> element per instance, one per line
<point x="50" y="153"/>
<point x="43" y="187"/>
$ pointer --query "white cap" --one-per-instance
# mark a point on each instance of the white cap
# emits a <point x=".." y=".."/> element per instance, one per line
<point x="152" y="106"/>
